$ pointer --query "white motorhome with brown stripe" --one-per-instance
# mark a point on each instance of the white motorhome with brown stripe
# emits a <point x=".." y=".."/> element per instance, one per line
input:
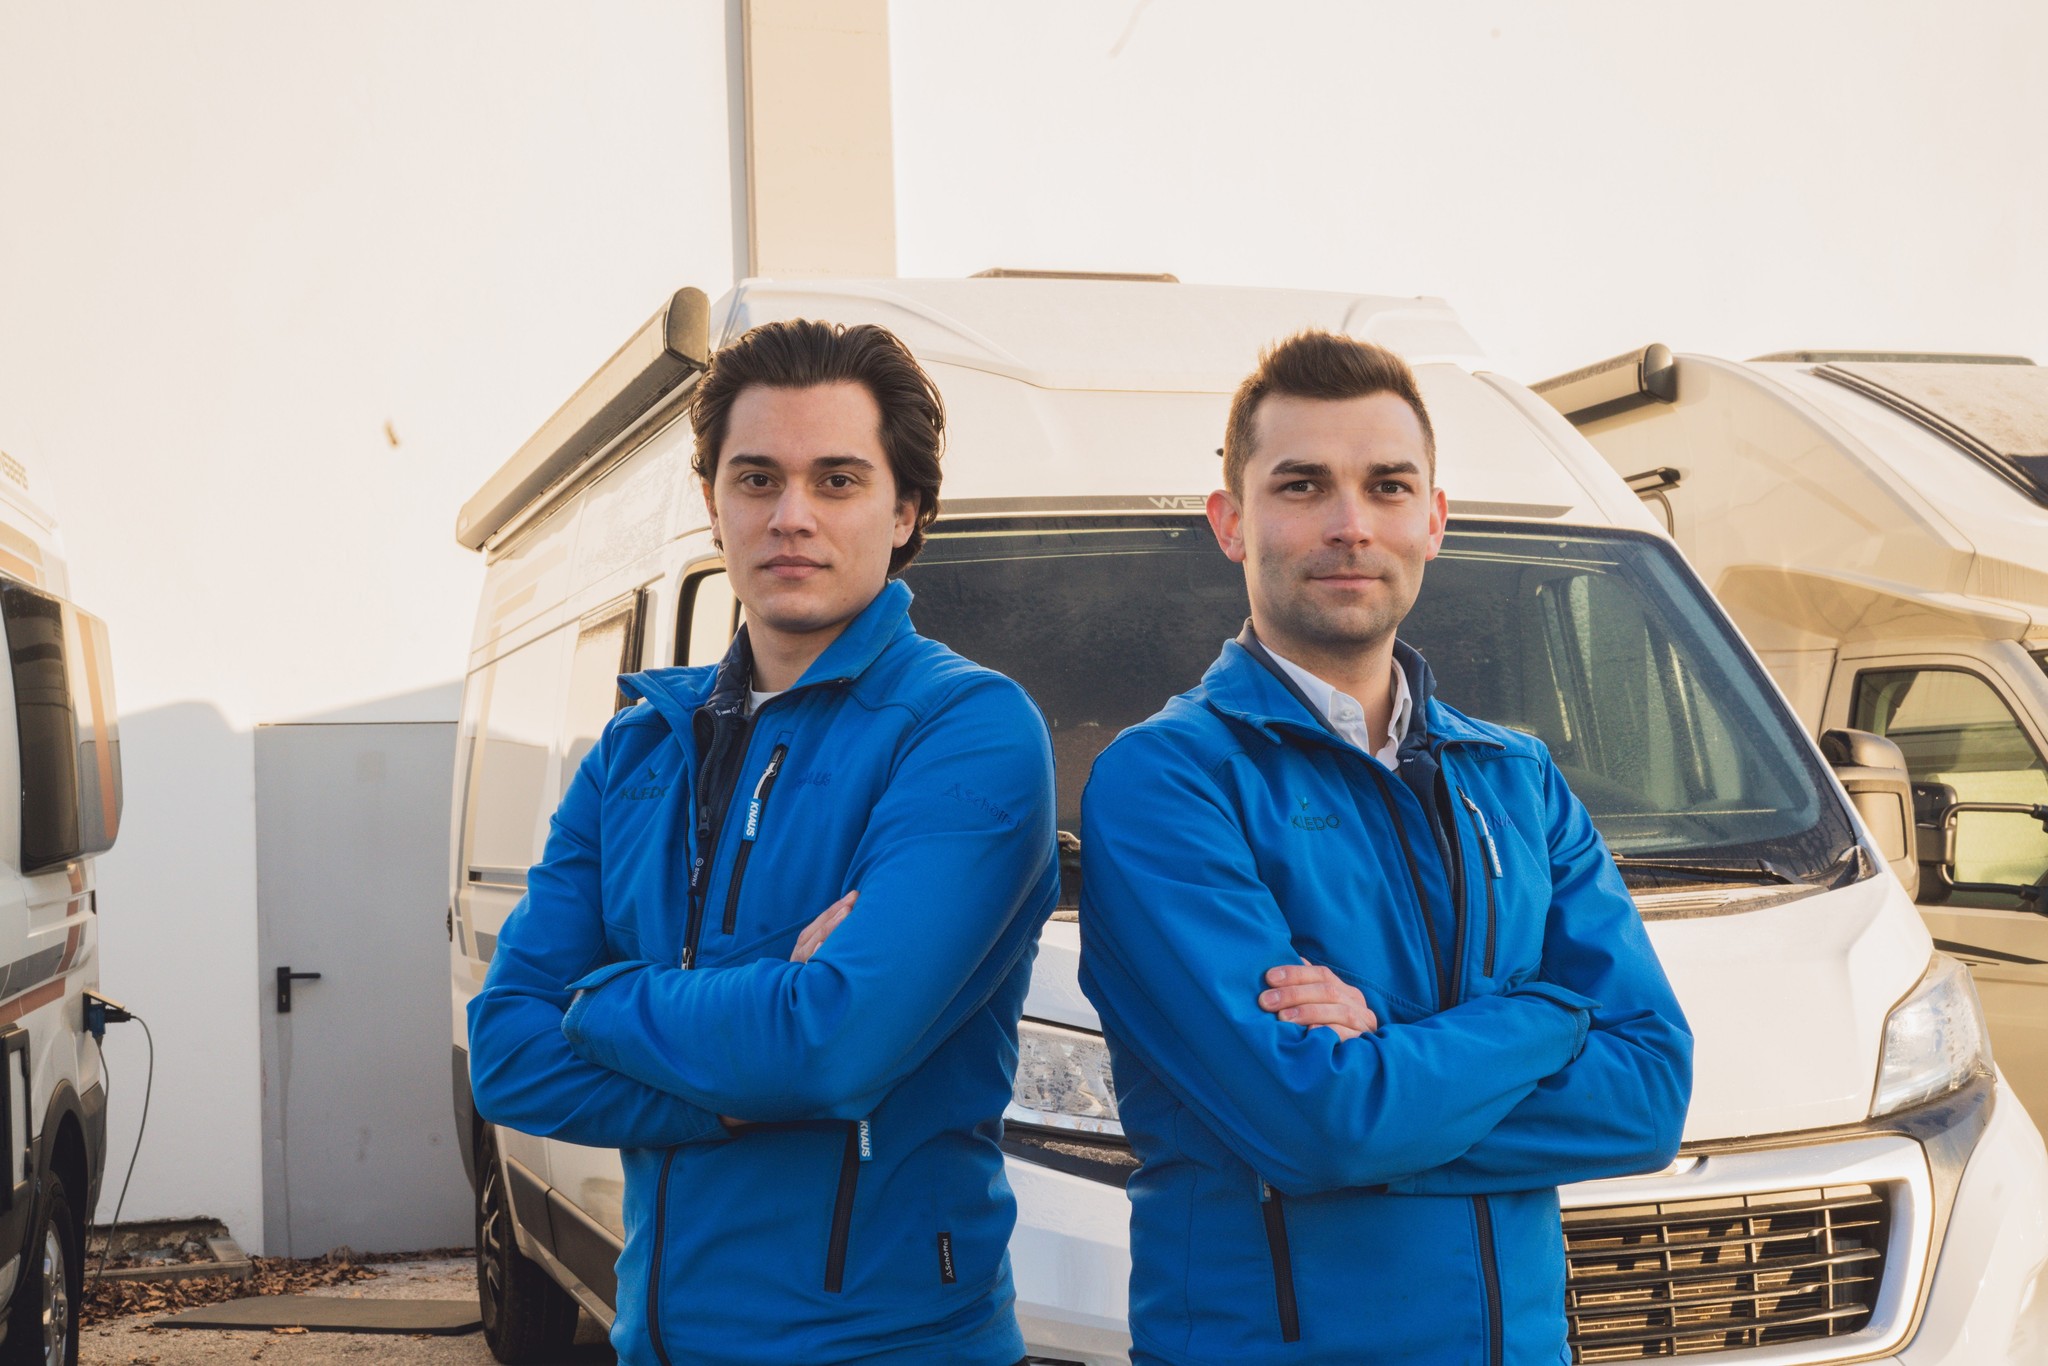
<point x="60" y="751"/>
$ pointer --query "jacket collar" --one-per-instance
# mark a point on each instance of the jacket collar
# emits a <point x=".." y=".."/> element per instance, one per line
<point x="677" y="693"/>
<point x="1248" y="685"/>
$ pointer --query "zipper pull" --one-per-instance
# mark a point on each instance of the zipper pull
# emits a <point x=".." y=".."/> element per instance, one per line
<point x="753" y="827"/>
<point x="866" y="1142"/>
<point x="689" y="956"/>
<point x="1265" y="1191"/>
<point x="1485" y="835"/>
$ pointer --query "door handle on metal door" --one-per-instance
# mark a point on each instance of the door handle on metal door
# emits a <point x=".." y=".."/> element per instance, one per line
<point x="285" y="978"/>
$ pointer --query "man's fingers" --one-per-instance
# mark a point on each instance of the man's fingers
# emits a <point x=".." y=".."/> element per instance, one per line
<point x="1323" y="1014"/>
<point x="1289" y="974"/>
<point x="1280" y="998"/>
<point x="819" y="930"/>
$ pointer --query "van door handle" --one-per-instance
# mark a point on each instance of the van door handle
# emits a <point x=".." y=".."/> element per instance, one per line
<point x="285" y="978"/>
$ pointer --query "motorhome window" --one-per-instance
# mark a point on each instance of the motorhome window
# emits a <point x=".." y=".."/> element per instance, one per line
<point x="1598" y="643"/>
<point x="510" y="793"/>
<point x="66" y="729"/>
<point x="606" y="643"/>
<point x="710" y="615"/>
<point x="1954" y="728"/>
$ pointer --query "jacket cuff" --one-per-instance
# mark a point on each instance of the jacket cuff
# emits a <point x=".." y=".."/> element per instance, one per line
<point x="585" y="1035"/>
<point x="1580" y="1008"/>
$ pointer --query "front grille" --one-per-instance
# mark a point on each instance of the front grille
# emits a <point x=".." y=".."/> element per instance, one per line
<point x="1693" y="1276"/>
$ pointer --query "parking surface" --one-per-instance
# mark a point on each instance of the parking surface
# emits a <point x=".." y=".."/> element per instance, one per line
<point x="133" y="1342"/>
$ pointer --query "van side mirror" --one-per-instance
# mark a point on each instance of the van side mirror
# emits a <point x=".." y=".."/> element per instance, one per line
<point x="1873" y="772"/>
<point x="1937" y="814"/>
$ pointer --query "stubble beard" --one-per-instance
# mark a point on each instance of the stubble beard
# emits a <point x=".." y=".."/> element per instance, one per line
<point x="1294" y="613"/>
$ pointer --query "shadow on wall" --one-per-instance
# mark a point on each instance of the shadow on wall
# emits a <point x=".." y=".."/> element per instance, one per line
<point x="178" y="943"/>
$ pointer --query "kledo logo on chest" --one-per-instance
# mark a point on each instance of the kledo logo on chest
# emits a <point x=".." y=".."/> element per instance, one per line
<point x="647" y="791"/>
<point x="1305" y="819"/>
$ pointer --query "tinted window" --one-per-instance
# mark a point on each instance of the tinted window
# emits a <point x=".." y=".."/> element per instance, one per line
<point x="709" y="618"/>
<point x="1599" y="644"/>
<point x="68" y="739"/>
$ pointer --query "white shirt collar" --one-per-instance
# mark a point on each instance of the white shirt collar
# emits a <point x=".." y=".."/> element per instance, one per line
<point x="1347" y="717"/>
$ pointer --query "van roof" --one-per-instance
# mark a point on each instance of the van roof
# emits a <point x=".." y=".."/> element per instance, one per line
<point x="1064" y="333"/>
<point x="1096" y="388"/>
<point x="1996" y="412"/>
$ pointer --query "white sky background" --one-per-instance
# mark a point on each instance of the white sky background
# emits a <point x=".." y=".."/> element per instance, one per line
<point x="1576" y="178"/>
<point x="238" y="237"/>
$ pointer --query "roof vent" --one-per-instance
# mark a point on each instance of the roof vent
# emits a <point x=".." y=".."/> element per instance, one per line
<point x="1007" y="273"/>
<point x="13" y="469"/>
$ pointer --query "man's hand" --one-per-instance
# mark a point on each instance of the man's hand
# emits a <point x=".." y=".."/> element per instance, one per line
<point x="1305" y="994"/>
<point x="818" y="931"/>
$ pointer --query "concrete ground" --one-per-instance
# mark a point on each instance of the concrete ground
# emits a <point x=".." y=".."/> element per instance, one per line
<point x="133" y="1342"/>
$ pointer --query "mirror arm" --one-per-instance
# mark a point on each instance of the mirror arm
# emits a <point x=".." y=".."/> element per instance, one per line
<point x="2031" y="897"/>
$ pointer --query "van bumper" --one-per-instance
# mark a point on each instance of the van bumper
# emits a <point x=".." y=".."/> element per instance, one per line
<point x="1988" y="1303"/>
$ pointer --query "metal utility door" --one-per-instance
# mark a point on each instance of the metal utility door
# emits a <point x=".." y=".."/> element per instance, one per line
<point x="359" y="1142"/>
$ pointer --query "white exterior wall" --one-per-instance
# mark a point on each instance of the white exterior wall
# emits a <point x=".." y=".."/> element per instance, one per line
<point x="238" y="238"/>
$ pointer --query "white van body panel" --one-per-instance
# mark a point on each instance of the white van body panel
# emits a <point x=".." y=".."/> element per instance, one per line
<point x="1081" y="395"/>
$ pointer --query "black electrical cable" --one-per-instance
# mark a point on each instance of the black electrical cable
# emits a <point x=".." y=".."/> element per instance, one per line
<point x="148" y="1085"/>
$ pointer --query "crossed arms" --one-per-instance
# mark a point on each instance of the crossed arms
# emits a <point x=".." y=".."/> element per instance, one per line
<point x="566" y="1043"/>
<point x="1582" y="1071"/>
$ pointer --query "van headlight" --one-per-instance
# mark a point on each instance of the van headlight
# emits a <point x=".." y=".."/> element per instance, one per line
<point x="1934" y="1040"/>
<point x="1063" y="1080"/>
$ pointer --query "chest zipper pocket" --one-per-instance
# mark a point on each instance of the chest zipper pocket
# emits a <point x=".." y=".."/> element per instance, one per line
<point x="1493" y="874"/>
<point x="860" y="1147"/>
<point x="1270" y="1208"/>
<point x="757" y="807"/>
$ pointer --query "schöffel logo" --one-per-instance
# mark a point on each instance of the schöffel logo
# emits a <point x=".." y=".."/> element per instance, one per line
<point x="647" y="791"/>
<point x="960" y="793"/>
<point x="1305" y="820"/>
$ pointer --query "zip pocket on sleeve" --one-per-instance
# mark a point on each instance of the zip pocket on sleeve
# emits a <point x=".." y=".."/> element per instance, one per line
<point x="1270" y="1206"/>
<point x="1492" y="875"/>
<point x="859" y="1147"/>
<point x="757" y="806"/>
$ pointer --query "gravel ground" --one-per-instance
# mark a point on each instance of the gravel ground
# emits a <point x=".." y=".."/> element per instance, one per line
<point x="133" y="1342"/>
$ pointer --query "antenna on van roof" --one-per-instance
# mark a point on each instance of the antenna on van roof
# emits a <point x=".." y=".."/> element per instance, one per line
<point x="670" y="348"/>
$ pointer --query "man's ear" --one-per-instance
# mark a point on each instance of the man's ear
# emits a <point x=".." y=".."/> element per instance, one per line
<point x="711" y="507"/>
<point x="1439" y="516"/>
<point x="1226" y="519"/>
<point x="907" y="508"/>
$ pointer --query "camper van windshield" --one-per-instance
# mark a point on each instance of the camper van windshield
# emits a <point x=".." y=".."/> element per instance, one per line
<point x="1596" y="642"/>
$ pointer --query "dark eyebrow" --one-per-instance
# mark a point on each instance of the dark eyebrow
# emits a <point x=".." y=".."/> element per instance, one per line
<point x="1393" y="467"/>
<point x="829" y="462"/>
<point x="1299" y="469"/>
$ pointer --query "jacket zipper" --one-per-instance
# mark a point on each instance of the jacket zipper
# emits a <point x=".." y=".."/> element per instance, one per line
<point x="751" y="832"/>
<point x="654" y="1262"/>
<point x="858" y="1149"/>
<point x="1493" y="874"/>
<point x="1489" y="1265"/>
<point x="1283" y="1261"/>
<point x="1436" y="953"/>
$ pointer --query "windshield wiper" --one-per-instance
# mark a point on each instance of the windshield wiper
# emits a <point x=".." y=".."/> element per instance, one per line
<point x="1746" y="870"/>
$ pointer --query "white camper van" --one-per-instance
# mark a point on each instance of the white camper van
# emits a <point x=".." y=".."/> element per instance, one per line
<point x="1856" y="1182"/>
<point x="60" y="750"/>
<point x="1877" y="525"/>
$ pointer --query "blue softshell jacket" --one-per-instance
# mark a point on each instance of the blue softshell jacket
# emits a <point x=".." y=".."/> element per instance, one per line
<point x="1390" y="1198"/>
<point x="865" y="1217"/>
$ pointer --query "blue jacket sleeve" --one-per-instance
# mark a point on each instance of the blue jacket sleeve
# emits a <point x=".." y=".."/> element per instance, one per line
<point x="956" y="870"/>
<point x="1177" y="930"/>
<point x="522" y="1071"/>
<point x="1620" y="1106"/>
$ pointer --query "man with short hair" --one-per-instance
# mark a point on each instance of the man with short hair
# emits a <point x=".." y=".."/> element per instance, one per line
<point x="1371" y="984"/>
<point x="671" y="964"/>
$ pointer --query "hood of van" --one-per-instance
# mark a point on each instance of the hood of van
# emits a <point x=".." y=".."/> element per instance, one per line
<point x="1787" y="1004"/>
